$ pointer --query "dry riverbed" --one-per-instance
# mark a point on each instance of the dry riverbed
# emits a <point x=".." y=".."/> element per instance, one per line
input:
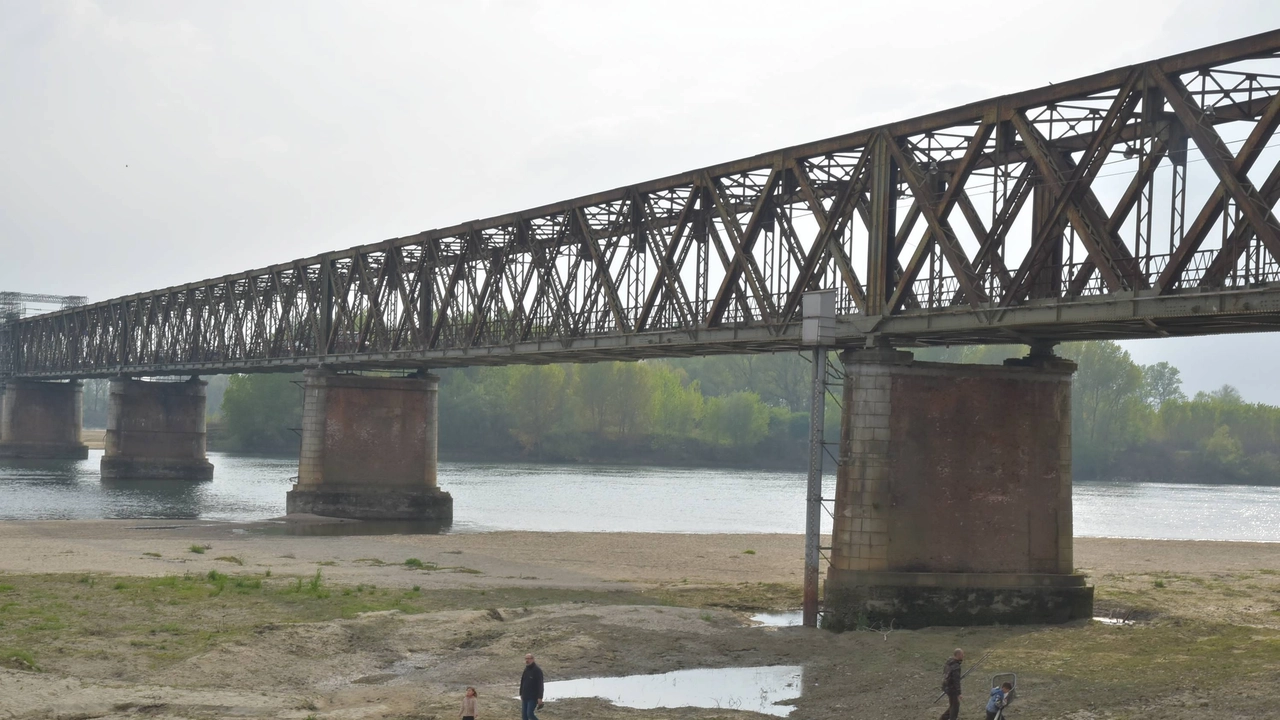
<point x="121" y="619"/>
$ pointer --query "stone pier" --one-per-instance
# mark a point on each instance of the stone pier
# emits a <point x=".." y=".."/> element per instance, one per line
<point x="953" y="495"/>
<point x="369" y="449"/>
<point x="41" y="420"/>
<point x="156" y="431"/>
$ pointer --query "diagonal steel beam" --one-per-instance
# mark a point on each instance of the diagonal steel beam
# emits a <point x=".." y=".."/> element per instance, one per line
<point x="831" y="226"/>
<point x="743" y="241"/>
<point x="603" y="276"/>
<point x="935" y="214"/>
<point x="1229" y="169"/>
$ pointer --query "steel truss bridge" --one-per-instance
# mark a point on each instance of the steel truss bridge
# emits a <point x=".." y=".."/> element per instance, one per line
<point x="1137" y="202"/>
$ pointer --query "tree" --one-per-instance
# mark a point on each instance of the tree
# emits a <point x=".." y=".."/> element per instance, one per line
<point x="536" y="397"/>
<point x="1106" y="398"/>
<point x="737" y="419"/>
<point x="1161" y="383"/>
<point x="633" y="400"/>
<point x="678" y="402"/>
<point x="261" y="413"/>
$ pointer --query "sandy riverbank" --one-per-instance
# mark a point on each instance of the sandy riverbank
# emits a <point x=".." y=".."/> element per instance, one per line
<point x="114" y="629"/>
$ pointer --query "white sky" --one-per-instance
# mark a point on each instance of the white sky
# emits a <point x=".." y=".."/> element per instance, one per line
<point x="144" y="144"/>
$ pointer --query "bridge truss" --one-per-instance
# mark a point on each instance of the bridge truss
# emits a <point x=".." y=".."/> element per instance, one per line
<point x="1137" y="202"/>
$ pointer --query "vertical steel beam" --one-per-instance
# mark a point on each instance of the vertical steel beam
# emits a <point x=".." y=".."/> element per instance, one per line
<point x="881" y="249"/>
<point x="813" y="499"/>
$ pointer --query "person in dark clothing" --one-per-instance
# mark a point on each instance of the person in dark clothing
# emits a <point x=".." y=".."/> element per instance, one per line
<point x="951" y="685"/>
<point x="530" y="689"/>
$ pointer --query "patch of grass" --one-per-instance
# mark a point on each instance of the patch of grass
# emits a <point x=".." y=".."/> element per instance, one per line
<point x="151" y="554"/>
<point x="120" y="586"/>
<point x="748" y="552"/>
<point x="742" y="596"/>
<point x="230" y="559"/>
<point x="16" y="659"/>
<point x="1159" y="583"/>
<point x="199" y="549"/>
<point x="327" y="563"/>
<point x="372" y="561"/>
<point x="413" y="563"/>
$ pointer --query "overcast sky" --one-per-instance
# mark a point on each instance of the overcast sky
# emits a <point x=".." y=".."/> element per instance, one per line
<point x="152" y="143"/>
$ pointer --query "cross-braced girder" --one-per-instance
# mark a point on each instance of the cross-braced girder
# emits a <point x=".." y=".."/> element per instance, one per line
<point x="1138" y="202"/>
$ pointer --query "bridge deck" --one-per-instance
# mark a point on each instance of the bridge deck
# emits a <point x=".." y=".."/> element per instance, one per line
<point x="1137" y="202"/>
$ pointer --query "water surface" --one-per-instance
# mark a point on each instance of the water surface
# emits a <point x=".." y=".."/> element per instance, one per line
<point x="758" y="689"/>
<point x="603" y="499"/>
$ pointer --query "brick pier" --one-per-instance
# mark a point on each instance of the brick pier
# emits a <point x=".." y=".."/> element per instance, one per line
<point x="953" y="497"/>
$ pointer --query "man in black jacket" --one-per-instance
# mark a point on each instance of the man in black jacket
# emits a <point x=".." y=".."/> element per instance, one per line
<point x="530" y="689"/>
<point x="951" y="685"/>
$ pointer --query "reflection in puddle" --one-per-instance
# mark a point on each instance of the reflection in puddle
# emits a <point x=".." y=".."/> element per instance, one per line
<point x="1113" y="621"/>
<point x="758" y="689"/>
<point x="782" y="619"/>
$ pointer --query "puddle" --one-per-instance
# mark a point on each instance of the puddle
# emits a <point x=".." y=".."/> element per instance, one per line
<point x="782" y="619"/>
<point x="758" y="689"/>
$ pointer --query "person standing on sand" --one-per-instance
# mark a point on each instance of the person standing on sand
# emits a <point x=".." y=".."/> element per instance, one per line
<point x="530" y="689"/>
<point x="469" y="704"/>
<point x="951" y="685"/>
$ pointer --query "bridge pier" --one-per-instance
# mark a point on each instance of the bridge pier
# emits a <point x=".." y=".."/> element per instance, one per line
<point x="156" y="431"/>
<point x="41" y="420"/>
<point x="369" y="449"/>
<point x="953" y="495"/>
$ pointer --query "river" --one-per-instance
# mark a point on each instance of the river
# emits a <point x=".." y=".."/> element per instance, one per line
<point x="579" y="498"/>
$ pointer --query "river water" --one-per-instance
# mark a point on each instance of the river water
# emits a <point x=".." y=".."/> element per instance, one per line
<point x="593" y="498"/>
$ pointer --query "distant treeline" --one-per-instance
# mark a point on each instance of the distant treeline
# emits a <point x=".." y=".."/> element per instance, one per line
<point x="1129" y="420"/>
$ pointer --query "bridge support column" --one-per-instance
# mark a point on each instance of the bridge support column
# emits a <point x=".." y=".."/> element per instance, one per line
<point x="42" y="420"/>
<point x="369" y="449"/>
<point x="953" y="495"/>
<point x="156" y="431"/>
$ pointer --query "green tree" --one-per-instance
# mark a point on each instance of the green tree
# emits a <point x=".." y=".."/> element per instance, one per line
<point x="738" y="419"/>
<point x="678" y="402"/>
<point x="536" y="398"/>
<point x="1162" y="383"/>
<point x="262" y="412"/>
<point x="1106" y="402"/>
<point x="633" y="404"/>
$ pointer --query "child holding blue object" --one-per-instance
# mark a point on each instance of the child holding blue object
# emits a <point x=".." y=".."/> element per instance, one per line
<point x="999" y="699"/>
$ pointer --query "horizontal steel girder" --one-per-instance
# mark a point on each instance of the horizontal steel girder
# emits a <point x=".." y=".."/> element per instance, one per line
<point x="1073" y="211"/>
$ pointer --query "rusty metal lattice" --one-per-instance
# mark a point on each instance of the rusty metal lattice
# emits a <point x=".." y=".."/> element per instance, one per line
<point x="1134" y="203"/>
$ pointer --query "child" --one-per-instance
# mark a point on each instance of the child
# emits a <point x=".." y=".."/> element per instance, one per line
<point x="469" y="704"/>
<point x="999" y="700"/>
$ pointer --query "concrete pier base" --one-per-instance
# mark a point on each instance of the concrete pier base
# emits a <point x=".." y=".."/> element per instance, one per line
<point x="369" y="449"/>
<point x="156" y="431"/>
<point x="41" y="420"/>
<point x="953" y="495"/>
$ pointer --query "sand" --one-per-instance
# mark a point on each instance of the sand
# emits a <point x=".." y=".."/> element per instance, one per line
<point x="392" y="665"/>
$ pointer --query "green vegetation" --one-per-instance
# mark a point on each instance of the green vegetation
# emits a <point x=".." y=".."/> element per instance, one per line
<point x="16" y="659"/>
<point x="260" y="413"/>
<point x="198" y="549"/>
<point x="177" y="616"/>
<point x="1129" y="421"/>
